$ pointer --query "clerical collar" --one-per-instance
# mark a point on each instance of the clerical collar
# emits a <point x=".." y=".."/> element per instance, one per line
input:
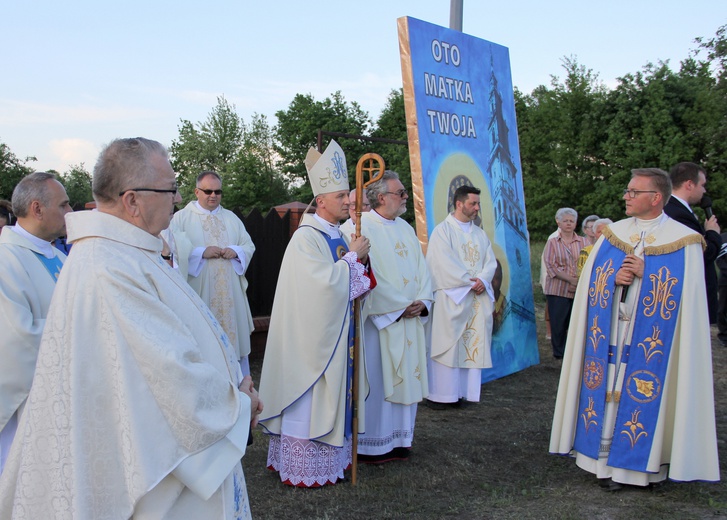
<point x="45" y="247"/>
<point x="383" y="219"/>
<point x="465" y="226"/>
<point x="206" y="211"/>
<point x="331" y="229"/>
<point x="648" y="224"/>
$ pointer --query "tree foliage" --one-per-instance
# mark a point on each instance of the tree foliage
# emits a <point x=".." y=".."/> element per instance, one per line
<point x="297" y="131"/>
<point x="242" y="154"/>
<point x="77" y="181"/>
<point x="579" y="141"/>
<point x="12" y="170"/>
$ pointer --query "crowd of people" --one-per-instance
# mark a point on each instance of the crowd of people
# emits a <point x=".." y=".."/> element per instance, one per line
<point x="125" y="383"/>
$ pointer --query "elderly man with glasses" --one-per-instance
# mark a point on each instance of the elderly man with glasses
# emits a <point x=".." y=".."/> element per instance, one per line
<point x="635" y="401"/>
<point x="138" y="408"/>
<point x="395" y="313"/>
<point x="220" y="255"/>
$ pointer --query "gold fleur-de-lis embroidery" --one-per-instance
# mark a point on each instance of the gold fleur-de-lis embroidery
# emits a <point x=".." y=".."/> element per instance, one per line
<point x="650" y="239"/>
<point x="660" y="294"/>
<point x="588" y="415"/>
<point x="401" y="249"/>
<point x="471" y="253"/>
<point x="596" y="334"/>
<point x="635" y="429"/>
<point x="598" y="292"/>
<point x="418" y="373"/>
<point x="470" y="338"/>
<point x="634" y="238"/>
<point x="405" y="281"/>
<point x="651" y="344"/>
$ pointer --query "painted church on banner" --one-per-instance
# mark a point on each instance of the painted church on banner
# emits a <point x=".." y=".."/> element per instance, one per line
<point x="461" y="125"/>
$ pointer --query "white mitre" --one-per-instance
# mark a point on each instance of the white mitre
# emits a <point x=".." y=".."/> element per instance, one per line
<point x="327" y="172"/>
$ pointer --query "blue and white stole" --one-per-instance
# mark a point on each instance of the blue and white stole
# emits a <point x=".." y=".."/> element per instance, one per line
<point x="643" y="362"/>
<point x="52" y="265"/>
<point x="339" y="248"/>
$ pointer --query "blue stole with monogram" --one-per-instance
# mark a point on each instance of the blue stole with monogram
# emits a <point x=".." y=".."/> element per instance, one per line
<point x="53" y="265"/>
<point x="645" y="359"/>
<point x="338" y="249"/>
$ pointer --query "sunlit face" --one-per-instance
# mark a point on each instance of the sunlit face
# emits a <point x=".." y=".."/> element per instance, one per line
<point x="644" y="204"/>
<point x="157" y="209"/>
<point x="209" y="192"/>
<point x="53" y="224"/>
<point x="467" y="210"/>
<point x="393" y="202"/>
<point x="589" y="231"/>
<point x="333" y="207"/>
<point x="567" y="223"/>
<point x="352" y="204"/>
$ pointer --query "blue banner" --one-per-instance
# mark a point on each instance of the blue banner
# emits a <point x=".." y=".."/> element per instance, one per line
<point x="460" y="113"/>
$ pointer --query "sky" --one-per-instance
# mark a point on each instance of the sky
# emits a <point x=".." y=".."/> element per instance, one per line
<point x="80" y="73"/>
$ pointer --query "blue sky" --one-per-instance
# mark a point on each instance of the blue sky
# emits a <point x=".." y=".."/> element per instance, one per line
<point x="78" y="74"/>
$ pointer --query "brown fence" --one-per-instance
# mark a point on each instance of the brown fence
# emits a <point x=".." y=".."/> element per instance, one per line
<point x="271" y="235"/>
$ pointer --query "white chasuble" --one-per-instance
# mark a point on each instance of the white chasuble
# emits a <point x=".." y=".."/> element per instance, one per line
<point x="26" y="288"/>
<point x="221" y="283"/>
<point x="684" y="444"/>
<point x="307" y="347"/>
<point x="134" y="411"/>
<point x="461" y="320"/>
<point x="402" y="278"/>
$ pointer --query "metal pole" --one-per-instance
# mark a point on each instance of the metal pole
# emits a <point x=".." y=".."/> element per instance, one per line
<point x="455" y="14"/>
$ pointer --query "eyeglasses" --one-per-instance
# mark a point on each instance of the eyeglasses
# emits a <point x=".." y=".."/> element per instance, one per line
<point x="155" y="190"/>
<point x="633" y="193"/>
<point x="400" y="193"/>
<point x="210" y="192"/>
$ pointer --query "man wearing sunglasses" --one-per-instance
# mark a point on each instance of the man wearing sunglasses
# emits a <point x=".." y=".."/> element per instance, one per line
<point x="221" y="252"/>
<point x="635" y="401"/>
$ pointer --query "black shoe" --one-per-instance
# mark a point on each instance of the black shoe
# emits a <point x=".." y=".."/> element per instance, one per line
<point x="434" y="405"/>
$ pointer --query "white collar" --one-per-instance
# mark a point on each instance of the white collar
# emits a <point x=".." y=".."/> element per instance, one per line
<point x="44" y="246"/>
<point x="383" y="219"/>
<point x="206" y="211"/>
<point x="332" y="229"/>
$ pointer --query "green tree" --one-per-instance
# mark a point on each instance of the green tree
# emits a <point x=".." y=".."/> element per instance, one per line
<point x="12" y="170"/>
<point x="241" y="154"/>
<point x="77" y="182"/>
<point x="297" y="131"/>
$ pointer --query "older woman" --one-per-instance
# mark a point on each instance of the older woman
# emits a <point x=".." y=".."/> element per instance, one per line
<point x="598" y="226"/>
<point x="561" y="264"/>
<point x="588" y="229"/>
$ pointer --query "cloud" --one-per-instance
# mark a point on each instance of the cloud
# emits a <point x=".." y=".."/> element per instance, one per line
<point x="73" y="151"/>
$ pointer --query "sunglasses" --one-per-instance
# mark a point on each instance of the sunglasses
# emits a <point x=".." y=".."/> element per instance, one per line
<point x="210" y="192"/>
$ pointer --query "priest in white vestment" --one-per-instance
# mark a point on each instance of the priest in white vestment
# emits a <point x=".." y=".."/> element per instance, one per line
<point x="306" y="379"/>
<point x="635" y="402"/>
<point x="138" y="408"/>
<point x="30" y="268"/>
<point x="395" y="313"/>
<point x="462" y="264"/>
<point x="216" y="265"/>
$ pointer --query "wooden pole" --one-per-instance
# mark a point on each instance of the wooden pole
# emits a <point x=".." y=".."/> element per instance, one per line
<point x="369" y="162"/>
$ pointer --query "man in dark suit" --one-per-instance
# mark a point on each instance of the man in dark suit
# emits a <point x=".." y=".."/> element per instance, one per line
<point x="688" y="187"/>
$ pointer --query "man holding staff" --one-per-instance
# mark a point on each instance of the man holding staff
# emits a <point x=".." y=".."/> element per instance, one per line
<point x="307" y="373"/>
